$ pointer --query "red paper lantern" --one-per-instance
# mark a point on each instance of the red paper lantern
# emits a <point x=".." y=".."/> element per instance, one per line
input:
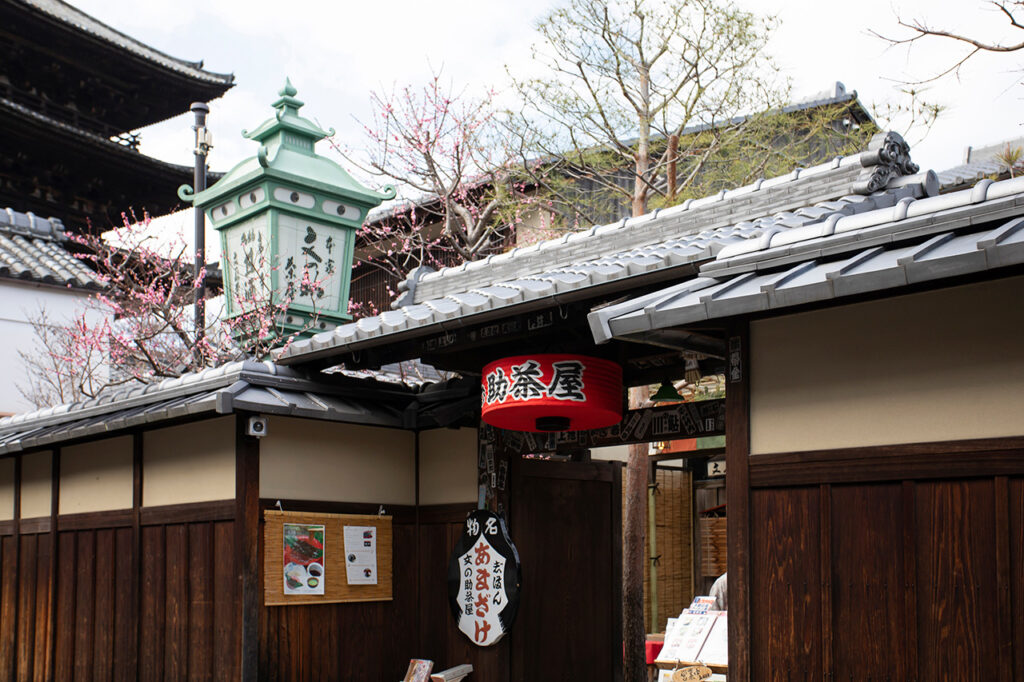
<point x="552" y="392"/>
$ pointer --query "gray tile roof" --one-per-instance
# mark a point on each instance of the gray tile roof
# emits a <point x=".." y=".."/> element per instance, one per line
<point x="81" y="21"/>
<point x="252" y="386"/>
<point x="966" y="174"/>
<point x="837" y="94"/>
<point x="912" y="241"/>
<point x="31" y="250"/>
<point x="666" y="240"/>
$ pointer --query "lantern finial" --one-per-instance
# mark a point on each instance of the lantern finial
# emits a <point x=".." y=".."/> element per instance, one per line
<point x="288" y="90"/>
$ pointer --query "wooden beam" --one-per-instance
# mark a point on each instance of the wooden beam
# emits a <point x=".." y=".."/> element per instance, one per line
<point x="639" y="426"/>
<point x="959" y="459"/>
<point x="247" y="534"/>
<point x="737" y="458"/>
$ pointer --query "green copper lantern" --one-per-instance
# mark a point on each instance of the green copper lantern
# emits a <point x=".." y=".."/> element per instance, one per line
<point x="287" y="219"/>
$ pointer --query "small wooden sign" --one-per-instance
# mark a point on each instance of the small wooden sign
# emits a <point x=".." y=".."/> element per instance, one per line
<point x="328" y="563"/>
<point x="696" y="672"/>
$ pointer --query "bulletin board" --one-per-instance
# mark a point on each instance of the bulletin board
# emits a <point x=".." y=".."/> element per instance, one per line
<point x="335" y="583"/>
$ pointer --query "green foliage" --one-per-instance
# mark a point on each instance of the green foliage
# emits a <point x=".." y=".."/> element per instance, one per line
<point x="623" y="74"/>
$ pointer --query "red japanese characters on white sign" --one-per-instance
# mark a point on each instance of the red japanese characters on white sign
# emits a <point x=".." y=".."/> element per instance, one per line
<point x="482" y="595"/>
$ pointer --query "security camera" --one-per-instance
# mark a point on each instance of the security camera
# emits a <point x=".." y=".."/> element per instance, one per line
<point x="257" y="427"/>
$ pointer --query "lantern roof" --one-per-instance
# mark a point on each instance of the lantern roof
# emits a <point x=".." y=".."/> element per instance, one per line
<point x="287" y="153"/>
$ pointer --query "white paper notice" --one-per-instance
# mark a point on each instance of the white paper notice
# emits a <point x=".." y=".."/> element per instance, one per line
<point x="361" y="555"/>
<point x="716" y="648"/>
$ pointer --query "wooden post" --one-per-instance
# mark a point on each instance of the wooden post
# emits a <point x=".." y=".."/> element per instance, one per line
<point x="737" y="495"/>
<point x="247" y="534"/>
<point x="633" y="628"/>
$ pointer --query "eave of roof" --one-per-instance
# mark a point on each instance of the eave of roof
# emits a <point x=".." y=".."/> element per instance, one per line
<point x="81" y="22"/>
<point x="250" y="386"/>
<point x="31" y="250"/>
<point x="915" y="241"/>
<point x="621" y="255"/>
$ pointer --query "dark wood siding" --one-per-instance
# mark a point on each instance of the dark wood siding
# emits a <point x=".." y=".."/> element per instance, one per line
<point x="82" y="623"/>
<point x="785" y="569"/>
<point x="876" y="575"/>
<point x="863" y="520"/>
<point x="375" y="640"/>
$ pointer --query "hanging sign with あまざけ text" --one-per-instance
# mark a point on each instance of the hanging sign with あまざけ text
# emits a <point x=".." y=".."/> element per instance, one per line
<point x="484" y="576"/>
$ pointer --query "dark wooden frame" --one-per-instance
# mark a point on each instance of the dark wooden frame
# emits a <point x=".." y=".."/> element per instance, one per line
<point x="737" y="459"/>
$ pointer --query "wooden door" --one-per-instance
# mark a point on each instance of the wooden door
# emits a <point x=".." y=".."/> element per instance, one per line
<point x="566" y="521"/>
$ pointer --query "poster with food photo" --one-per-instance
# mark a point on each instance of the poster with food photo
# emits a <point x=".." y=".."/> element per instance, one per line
<point x="303" y="558"/>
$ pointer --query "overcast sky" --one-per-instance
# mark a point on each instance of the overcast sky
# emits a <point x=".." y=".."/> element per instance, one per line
<point x="336" y="52"/>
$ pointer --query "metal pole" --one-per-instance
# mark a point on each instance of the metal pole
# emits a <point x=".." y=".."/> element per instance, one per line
<point x="200" y="109"/>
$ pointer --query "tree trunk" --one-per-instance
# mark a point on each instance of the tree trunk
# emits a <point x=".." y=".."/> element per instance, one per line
<point x="643" y="147"/>
<point x="634" y="529"/>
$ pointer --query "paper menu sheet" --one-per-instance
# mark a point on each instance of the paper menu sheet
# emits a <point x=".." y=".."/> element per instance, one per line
<point x="683" y="641"/>
<point x="361" y="555"/>
<point x="716" y="648"/>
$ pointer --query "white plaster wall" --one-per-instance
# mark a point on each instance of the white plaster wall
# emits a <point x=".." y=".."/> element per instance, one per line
<point x="18" y="302"/>
<point x="36" y="484"/>
<point x="610" y="453"/>
<point x="6" y="489"/>
<point x="96" y="476"/>
<point x="306" y="459"/>
<point x="936" y="366"/>
<point x="448" y="466"/>
<point x="189" y="463"/>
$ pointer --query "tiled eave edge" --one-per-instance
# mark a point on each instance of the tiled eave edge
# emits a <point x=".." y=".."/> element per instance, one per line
<point x="733" y="286"/>
<point x="311" y="350"/>
<point x="885" y="164"/>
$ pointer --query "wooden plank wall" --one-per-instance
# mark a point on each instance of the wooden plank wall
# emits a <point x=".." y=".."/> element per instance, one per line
<point x="917" y="578"/>
<point x="98" y="617"/>
<point x="375" y="640"/>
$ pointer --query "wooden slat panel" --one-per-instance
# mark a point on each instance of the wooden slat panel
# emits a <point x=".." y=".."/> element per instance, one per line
<point x="910" y="646"/>
<point x="85" y="605"/>
<point x="867" y="580"/>
<point x="43" y="596"/>
<point x="153" y="599"/>
<point x="1002" y="602"/>
<point x="103" y="640"/>
<point x="200" y="613"/>
<point x="27" y="576"/>
<point x="433" y="579"/>
<point x="225" y="603"/>
<point x="8" y="603"/>
<point x="125" y="610"/>
<point x="401" y="633"/>
<point x="956" y="581"/>
<point x="1016" y="516"/>
<point x="176" y="605"/>
<point x="65" y="612"/>
<point x="785" y="584"/>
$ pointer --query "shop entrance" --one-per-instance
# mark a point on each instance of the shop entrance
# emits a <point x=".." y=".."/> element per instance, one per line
<point x="565" y="519"/>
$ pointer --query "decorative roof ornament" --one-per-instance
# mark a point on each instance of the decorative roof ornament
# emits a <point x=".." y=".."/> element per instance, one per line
<point x="887" y="157"/>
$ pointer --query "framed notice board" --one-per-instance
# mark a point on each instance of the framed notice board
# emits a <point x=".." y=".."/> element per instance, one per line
<point x="311" y="558"/>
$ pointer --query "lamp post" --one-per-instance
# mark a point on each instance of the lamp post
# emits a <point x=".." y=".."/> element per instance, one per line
<point x="287" y="219"/>
<point x="202" y="150"/>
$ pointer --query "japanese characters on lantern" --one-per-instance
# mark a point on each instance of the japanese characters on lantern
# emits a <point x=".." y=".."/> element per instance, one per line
<point x="528" y="380"/>
<point x="551" y="391"/>
<point x="483" y="579"/>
